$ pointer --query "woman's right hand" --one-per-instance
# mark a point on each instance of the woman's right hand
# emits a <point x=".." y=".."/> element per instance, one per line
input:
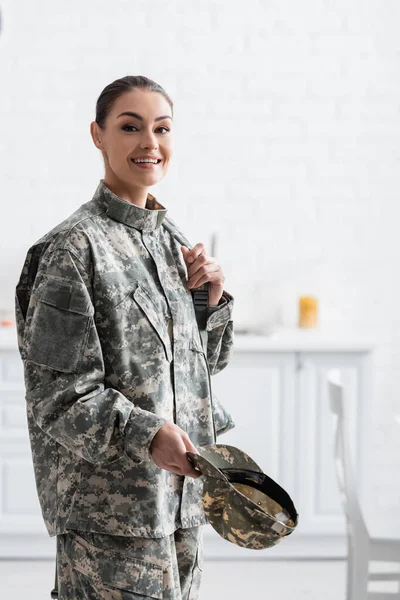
<point x="168" y="449"/>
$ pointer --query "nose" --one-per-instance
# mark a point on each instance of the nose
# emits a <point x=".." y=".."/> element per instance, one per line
<point x="148" y="140"/>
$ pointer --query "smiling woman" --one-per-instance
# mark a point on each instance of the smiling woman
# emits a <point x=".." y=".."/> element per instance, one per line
<point x="118" y="385"/>
<point x="133" y="131"/>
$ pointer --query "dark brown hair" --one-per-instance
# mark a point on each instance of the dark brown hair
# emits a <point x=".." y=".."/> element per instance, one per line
<point x="114" y="90"/>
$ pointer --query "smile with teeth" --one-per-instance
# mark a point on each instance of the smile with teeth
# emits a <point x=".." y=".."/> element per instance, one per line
<point x="146" y="160"/>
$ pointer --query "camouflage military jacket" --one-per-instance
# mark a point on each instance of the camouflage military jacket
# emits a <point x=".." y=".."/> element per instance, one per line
<point x="111" y="351"/>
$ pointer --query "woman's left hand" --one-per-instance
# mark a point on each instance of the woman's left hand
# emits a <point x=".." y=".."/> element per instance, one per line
<point x="202" y="268"/>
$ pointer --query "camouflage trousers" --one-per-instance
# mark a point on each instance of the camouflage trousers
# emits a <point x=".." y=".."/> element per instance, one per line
<point x="95" y="566"/>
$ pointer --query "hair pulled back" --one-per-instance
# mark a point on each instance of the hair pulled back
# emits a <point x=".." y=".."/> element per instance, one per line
<point x="114" y="90"/>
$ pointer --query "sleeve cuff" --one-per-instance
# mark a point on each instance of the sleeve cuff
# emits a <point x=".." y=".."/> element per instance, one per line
<point x="223" y="420"/>
<point x="140" y="430"/>
<point x="222" y="313"/>
<point x="222" y="302"/>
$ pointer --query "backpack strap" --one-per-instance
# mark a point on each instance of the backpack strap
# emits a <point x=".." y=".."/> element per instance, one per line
<point x="200" y="294"/>
<point x="54" y="592"/>
<point x="201" y="302"/>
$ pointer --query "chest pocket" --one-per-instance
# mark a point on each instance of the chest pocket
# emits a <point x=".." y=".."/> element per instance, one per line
<point x="156" y="319"/>
<point x="57" y="324"/>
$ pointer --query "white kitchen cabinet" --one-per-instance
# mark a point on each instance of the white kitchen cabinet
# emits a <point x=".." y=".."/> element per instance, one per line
<point x="276" y="392"/>
<point x="22" y="531"/>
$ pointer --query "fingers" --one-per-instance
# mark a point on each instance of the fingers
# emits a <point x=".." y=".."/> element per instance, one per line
<point x="188" y="468"/>
<point x="195" y="252"/>
<point x="208" y="273"/>
<point x="195" y="257"/>
<point x="200" y="266"/>
<point x="202" y="269"/>
<point x="189" y="446"/>
<point x="169" y="450"/>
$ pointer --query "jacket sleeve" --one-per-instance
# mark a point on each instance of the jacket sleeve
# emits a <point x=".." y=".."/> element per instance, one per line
<point x="64" y="367"/>
<point x="220" y="333"/>
<point x="223" y="420"/>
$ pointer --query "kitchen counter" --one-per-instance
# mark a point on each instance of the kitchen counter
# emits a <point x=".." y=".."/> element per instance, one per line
<point x="281" y="340"/>
<point x="304" y="340"/>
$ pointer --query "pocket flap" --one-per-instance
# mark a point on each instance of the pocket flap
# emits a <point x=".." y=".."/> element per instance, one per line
<point x="196" y="346"/>
<point x="151" y="313"/>
<point x="110" y="569"/>
<point x="65" y="294"/>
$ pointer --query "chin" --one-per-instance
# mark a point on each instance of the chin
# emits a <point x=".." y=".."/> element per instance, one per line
<point x="155" y="180"/>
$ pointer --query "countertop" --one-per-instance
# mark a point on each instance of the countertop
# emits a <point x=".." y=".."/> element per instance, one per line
<point x="294" y="340"/>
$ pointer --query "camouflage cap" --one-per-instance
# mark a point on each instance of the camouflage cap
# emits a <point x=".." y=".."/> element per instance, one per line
<point x="243" y="504"/>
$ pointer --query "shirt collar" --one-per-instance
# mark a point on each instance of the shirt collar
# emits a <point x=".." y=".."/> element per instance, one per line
<point x="144" y="219"/>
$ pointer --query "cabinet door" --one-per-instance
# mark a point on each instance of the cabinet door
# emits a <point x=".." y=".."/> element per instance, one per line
<point x="318" y="499"/>
<point x="19" y="504"/>
<point x="258" y="389"/>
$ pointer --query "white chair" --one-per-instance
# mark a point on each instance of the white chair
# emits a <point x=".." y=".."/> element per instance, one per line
<point x="376" y="539"/>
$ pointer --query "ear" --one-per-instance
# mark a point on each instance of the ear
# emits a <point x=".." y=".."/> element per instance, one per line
<point x="95" y="132"/>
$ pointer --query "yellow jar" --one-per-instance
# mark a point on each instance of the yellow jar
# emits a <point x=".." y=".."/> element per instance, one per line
<point x="308" y="311"/>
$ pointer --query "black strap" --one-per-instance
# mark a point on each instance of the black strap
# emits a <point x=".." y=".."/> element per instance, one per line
<point x="200" y="295"/>
<point x="54" y="592"/>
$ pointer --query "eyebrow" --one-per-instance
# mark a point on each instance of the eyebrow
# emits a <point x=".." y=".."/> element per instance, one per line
<point x="136" y="116"/>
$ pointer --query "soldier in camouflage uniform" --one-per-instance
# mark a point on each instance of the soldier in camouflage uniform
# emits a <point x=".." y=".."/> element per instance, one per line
<point x="117" y="380"/>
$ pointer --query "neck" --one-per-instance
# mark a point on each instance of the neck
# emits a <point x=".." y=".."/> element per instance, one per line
<point x="134" y="195"/>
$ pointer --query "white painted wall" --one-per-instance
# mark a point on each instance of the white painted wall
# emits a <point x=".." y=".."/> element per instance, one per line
<point x="287" y="128"/>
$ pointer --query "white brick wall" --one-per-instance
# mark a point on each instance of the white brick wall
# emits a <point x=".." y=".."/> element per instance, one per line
<point x="287" y="126"/>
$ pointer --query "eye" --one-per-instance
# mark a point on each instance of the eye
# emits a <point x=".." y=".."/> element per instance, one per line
<point x="129" y="127"/>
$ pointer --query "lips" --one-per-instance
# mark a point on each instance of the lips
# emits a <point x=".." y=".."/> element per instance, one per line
<point x="146" y="157"/>
<point x="145" y="165"/>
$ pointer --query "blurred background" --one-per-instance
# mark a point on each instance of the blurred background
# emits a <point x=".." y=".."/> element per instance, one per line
<point x="287" y="130"/>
